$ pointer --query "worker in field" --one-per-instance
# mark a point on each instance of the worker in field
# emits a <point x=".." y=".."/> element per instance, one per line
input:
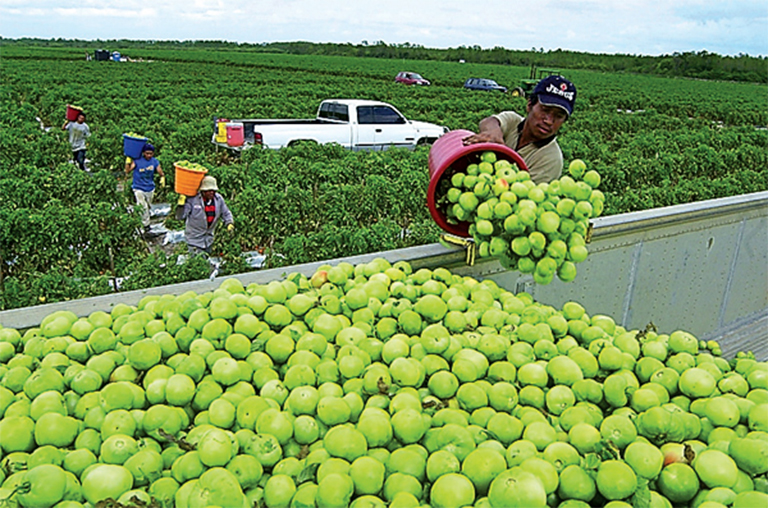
<point x="78" y="132"/>
<point x="201" y="213"/>
<point x="144" y="169"/>
<point x="535" y="136"/>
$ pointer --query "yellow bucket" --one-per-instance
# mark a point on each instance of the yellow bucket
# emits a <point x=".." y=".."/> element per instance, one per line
<point x="221" y="132"/>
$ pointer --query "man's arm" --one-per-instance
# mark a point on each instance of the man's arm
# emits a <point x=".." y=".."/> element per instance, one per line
<point x="490" y="132"/>
<point x="162" y="175"/>
<point x="182" y="207"/>
<point x="64" y="127"/>
<point x="226" y="214"/>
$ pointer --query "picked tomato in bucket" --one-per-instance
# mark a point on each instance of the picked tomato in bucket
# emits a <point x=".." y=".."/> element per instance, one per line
<point x="187" y="177"/>
<point x="450" y="161"/>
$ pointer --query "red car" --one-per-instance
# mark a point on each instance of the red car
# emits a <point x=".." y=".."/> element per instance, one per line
<point x="410" y="78"/>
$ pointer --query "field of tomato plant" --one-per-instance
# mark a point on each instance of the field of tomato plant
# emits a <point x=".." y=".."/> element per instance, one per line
<point x="655" y="141"/>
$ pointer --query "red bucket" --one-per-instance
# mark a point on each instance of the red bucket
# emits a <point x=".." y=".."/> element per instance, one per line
<point x="72" y="112"/>
<point x="449" y="155"/>
<point x="235" y="134"/>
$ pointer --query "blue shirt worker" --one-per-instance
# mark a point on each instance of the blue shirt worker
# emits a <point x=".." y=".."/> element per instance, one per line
<point x="534" y="136"/>
<point x="78" y="132"/>
<point x="201" y="213"/>
<point x="143" y="170"/>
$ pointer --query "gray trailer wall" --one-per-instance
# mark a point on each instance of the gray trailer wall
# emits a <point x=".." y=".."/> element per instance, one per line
<point x="700" y="267"/>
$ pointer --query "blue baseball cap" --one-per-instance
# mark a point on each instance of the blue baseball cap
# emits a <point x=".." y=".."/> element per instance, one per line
<point x="556" y="91"/>
<point x="147" y="146"/>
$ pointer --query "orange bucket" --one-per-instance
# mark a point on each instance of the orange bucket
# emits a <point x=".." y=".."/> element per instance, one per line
<point x="186" y="181"/>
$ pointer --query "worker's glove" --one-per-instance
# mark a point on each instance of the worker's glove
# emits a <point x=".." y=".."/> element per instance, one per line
<point x="182" y="200"/>
<point x="162" y="181"/>
<point x="231" y="228"/>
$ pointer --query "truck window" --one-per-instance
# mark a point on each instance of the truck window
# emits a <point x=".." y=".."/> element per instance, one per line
<point x="365" y="115"/>
<point x="334" y="111"/>
<point x="384" y="114"/>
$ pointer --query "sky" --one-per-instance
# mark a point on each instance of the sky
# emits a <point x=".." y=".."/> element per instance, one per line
<point x="637" y="27"/>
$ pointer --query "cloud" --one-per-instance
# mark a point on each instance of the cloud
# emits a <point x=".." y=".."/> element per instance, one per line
<point x="92" y="12"/>
<point x="703" y="11"/>
<point x="597" y="26"/>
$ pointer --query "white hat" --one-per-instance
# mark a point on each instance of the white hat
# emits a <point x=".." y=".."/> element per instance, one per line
<point x="208" y="183"/>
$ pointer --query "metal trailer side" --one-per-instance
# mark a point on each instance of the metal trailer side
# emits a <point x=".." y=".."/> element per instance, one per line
<point x="700" y="267"/>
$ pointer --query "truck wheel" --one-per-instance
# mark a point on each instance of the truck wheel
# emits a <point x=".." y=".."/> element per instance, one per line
<point x="518" y="92"/>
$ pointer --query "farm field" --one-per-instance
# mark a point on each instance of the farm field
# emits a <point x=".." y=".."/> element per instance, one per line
<point x="655" y="141"/>
<point x="379" y="382"/>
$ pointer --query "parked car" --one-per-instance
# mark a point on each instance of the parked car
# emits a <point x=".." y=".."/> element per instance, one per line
<point x="410" y="78"/>
<point x="483" y="84"/>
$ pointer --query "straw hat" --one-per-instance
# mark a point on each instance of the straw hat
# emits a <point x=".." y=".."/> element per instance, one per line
<point x="208" y="183"/>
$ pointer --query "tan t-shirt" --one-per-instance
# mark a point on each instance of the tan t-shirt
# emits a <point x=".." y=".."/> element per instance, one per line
<point x="543" y="158"/>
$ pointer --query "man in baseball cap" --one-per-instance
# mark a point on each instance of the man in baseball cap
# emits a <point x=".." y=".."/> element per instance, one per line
<point x="556" y="91"/>
<point x="535" y="136"/>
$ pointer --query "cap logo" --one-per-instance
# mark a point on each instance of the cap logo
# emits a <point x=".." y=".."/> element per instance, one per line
<point x="560" y="91"/>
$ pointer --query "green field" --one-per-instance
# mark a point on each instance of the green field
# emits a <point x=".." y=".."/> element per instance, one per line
<point x="655" y="141"/>
<point x="377" y="384"/>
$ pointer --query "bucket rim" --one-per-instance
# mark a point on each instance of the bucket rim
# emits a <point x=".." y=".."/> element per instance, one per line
<point x="128" y="136"/>
<point x="183" y="168"/>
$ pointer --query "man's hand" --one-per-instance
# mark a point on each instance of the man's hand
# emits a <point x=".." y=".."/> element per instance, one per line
<point x="182" y="200"/>
<point x="231" y="228"/>
<point x="162" y="181"/>
<point x="490" y="132"/>
<point x="483" y="137"/>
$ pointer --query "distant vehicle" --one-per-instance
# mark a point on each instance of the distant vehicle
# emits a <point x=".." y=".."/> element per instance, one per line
<point x="483" y="84"/>
<point x="536" y="75"/>
<point x="354" y="124"/>
<point x="411" y="78"/>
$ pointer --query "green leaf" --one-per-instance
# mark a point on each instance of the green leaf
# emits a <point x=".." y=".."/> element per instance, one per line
<point x="308" y="473"/>
<point x="642" y="496"/>
<point x="591" y="461"/>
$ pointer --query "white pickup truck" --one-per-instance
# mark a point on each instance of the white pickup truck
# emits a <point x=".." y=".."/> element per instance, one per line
<point x="354" y="124"/>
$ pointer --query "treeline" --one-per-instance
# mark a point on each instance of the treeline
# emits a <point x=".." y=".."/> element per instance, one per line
<point x="701" y="65"/>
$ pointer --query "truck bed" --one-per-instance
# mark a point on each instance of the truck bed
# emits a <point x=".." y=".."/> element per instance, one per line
<point x="288" y="121"/>
<point x="700" y="267"/>
<point x="287" y="127"/>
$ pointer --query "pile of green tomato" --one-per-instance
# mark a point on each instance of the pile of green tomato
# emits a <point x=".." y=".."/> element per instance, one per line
<point x="373" y="386"/>
<point x="539" y="229"/>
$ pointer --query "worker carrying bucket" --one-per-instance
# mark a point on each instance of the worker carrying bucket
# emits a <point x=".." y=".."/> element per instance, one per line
<point x="143" y="169"/>
<point x="201" y="213"/>
<point x="78" y="132"/>
<point x="530" y="143"/>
